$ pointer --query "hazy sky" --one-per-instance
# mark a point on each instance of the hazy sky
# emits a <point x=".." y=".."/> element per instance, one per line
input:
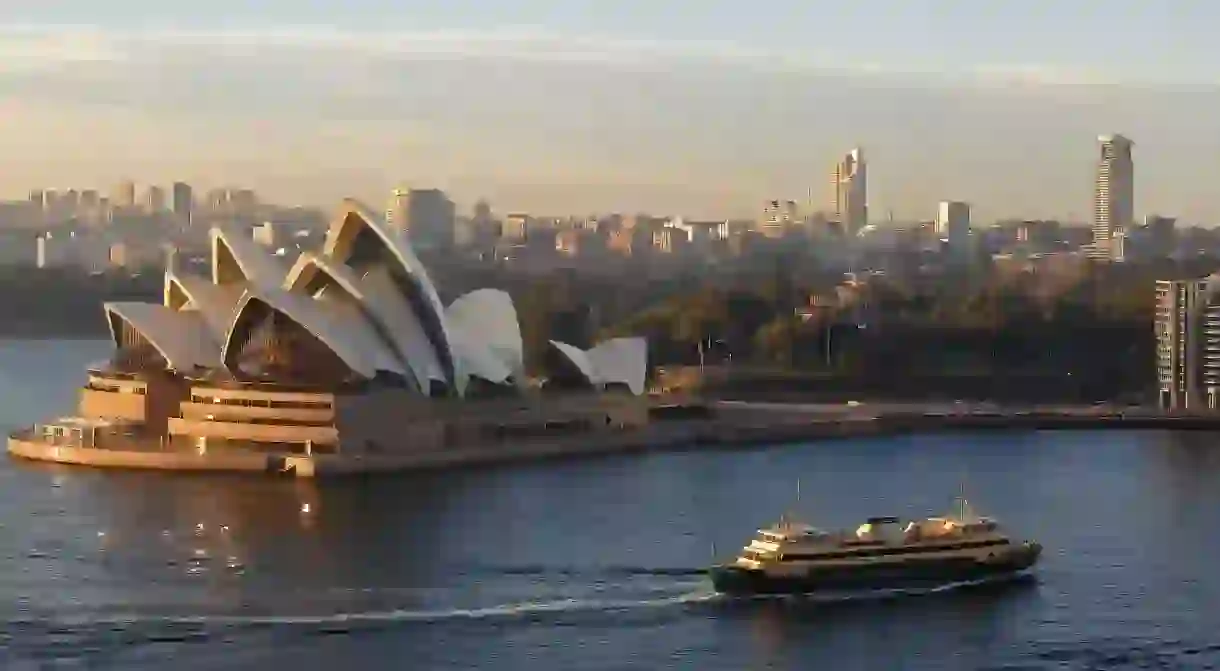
<point x="700" y="106"/>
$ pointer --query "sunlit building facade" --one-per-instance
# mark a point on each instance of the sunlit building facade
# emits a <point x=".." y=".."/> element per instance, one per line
<point x="849" y="182"/>
<point x="1113" y="196"/>
<point x="1188" y="343"/>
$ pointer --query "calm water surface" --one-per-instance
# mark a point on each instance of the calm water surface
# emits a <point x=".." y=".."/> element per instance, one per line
<point x="593" y="564"/>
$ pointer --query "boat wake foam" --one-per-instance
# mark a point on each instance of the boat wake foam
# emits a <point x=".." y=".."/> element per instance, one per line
<point x="611" y="571"/>
<point x="527" y="608"/>
<point x="690" y="595"/>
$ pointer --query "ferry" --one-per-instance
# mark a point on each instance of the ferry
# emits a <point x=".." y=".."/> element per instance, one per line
<point x="794" y="558"/>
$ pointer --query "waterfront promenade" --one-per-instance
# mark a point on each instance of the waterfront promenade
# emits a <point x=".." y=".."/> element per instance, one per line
<point x="779" y="422"/>
<point x="726" y="424"/>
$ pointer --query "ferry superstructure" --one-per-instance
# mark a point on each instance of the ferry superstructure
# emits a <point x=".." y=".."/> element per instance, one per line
<point x="792" y="557"/>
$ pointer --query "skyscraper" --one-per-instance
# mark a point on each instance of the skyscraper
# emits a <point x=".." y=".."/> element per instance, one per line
<point x="124" y="194"/>
<point x="396" y="209"/>
<point x="850" y="184"/>
<point x="953" y="224"/>
<point x="154" y="199"/>
<point x="1114" y="196"/>
<point x="182" y="201"/>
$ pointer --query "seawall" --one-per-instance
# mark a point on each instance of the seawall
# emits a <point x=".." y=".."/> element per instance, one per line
<point x="735" y="425"/>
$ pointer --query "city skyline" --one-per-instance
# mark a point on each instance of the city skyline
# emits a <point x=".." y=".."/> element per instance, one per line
<point x="703" y="114"/>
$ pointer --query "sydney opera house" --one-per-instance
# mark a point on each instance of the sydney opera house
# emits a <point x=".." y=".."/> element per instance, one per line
<point x="344" y="360"/>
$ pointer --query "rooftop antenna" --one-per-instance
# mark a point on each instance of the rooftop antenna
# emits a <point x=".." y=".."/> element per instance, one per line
<point x="965" y="514"/>
<point x="784" y="518"/>
<point x="796" y="505"/>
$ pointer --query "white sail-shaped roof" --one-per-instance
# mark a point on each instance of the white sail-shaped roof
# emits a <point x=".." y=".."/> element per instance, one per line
<point x="475" y="359"/>
<point x="410" y="335"/>
<point x="391" y="317"/>
<point x="214" y="303"/>
<point x="367" y="298"/>
<point x="486" y="335"/>
<point x="618" y="361"/>
<point x="622" y="361"/>
<point x="354" y="226"/>
<point x="238" y="258"/>
<point x="343" y="331"/>
<point x="182" y="338"/>
<point x="578" y="358"/>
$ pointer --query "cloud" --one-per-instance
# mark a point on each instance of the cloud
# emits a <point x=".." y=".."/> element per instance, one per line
<point x="26" y="48"/>
<point x="35" y="51"/>
<point x="536" y="117"/>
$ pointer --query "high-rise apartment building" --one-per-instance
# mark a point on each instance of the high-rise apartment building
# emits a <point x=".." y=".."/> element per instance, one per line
<point x="1114" y="196"/>
<point x="426" y="215"/>
<point x="850" y="185"/>
<point x="1188" y="343"/>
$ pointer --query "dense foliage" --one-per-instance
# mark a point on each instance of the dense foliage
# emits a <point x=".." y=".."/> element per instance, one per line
<point x="1084" y="330"/>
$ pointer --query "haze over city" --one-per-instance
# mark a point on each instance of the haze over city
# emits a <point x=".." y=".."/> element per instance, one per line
<point x="706" y="109"/>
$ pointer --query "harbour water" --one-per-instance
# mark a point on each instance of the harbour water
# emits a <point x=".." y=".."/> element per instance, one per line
<point x="594" y="564"/>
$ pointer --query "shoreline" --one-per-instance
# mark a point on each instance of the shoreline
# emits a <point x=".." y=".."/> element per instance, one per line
<point x="734" y="426"/>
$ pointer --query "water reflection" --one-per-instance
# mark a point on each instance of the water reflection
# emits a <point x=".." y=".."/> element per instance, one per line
<point x="550" y="556"/>
<point x="980" y="619"/>
<point x="148" y="541"/>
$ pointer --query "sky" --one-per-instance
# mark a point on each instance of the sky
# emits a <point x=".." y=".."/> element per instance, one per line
<point x="700" y="107"/>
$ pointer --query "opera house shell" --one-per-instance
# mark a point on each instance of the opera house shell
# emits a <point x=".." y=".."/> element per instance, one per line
<point x="347" y="350"/>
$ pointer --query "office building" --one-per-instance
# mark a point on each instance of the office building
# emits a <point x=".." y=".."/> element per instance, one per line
<point x="516" y="227"/>
<point x="953" y="224"/>
<point x="124" y="195"/>
<point x="425" y="215"/>
<point x="244" y="202"/>
<point x="1188" y="343"/>
<point x="265" y="235"/>
<point x="154" y="200"/>
<point x="70" y="203"/>
<point x="396" y="209"/>
<point x="777" y="218"/>
<point x="850" y="185"/>
<point x="182" y="201"/>
<point x="89" y="199"/>
<point x="1160" y="235"/>
<point x="1114" y="195"/>
<point x="119" y="255"/>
